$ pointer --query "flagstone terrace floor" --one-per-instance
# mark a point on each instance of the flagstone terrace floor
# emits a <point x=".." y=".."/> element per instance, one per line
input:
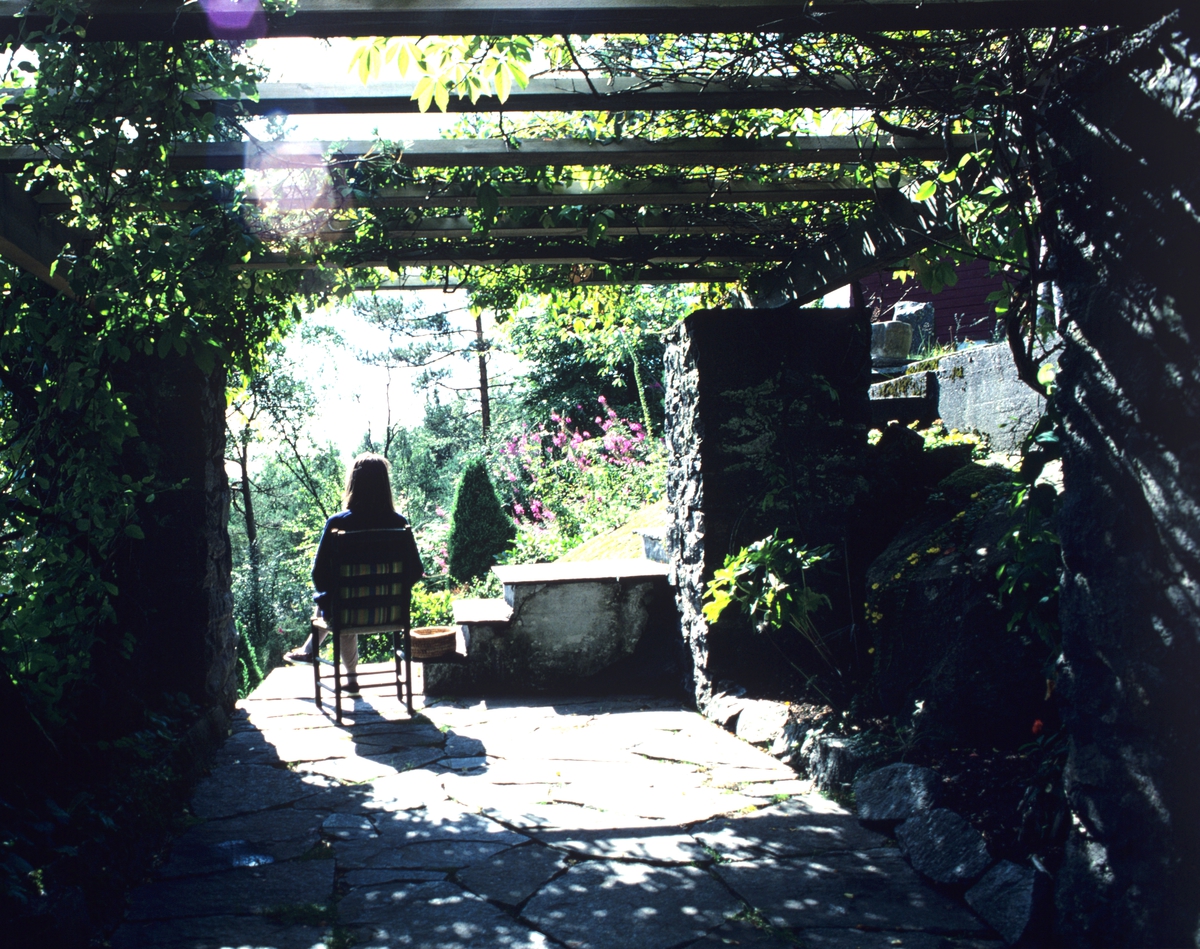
<point x="609" y="823"/>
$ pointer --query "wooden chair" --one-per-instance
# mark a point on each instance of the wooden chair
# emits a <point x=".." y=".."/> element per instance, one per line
<point x="376" y="571"/>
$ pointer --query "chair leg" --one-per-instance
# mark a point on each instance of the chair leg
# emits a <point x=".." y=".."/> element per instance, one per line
<point x="396" y="639"/>
<point x="408" y="667"/>
<point x="337" y="675"/>
<point x="314" y="642"/>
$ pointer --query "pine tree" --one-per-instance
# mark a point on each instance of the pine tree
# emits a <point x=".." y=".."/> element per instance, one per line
<point x="480" y="529"/>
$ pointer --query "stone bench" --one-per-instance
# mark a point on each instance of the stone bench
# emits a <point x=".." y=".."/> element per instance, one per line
<point x="596" y="626"/>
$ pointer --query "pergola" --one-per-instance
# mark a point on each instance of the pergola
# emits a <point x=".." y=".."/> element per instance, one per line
<point x="686" y="220"/>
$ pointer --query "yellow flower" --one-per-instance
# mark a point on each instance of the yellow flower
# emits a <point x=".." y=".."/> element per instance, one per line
<point x="895" y="576"/>
<point x="874" y="586"/>
<point x="914" y="557"/>
<point x="934" y="550"/>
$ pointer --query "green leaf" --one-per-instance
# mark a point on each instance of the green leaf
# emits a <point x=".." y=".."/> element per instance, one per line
<point x="503" y="84"/>
<point x="441" y="95"/>
<point x="926" y="191"/>
<point x="132" y="530"/>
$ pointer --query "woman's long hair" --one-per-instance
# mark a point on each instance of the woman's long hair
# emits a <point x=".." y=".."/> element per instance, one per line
<point x="369" y="486"/>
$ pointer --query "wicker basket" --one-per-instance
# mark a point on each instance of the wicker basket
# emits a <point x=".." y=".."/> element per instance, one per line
<point x="432" y="642"/>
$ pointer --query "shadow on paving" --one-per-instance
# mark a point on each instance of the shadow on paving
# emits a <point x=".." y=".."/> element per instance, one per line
<point x="598" y="824"/>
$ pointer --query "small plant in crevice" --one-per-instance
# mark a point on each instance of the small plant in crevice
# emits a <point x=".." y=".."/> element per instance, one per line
<point x="768" y="581"/>
<point x="1031" y="580"/>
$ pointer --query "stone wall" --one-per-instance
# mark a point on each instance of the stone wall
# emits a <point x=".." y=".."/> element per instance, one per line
<point x="1129" y="392"/>
<point x="976" y="389"/>
<point x="766" y="427"/>
<point x="176" y="598"/>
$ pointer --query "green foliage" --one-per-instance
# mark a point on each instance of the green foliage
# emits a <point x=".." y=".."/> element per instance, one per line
<point x="938" y="436"/>
<point x="768" y="581"/>
<point x="152" y="267"/>
<point x="465" y="66"/>
<point x="480" y="529"/>
<point x="1031" y="581"/>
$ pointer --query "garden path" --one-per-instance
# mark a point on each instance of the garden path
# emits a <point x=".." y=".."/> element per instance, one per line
<point x="614" y="823"/>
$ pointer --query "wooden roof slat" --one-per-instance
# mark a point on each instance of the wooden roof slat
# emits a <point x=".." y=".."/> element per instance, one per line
<point x="650" y="191"/>
<point x="625" y="225"/>
<point x="499" y="153"/>
<point x="135" y="20"/>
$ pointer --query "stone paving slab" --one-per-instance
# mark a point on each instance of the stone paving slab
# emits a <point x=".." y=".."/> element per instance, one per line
<point x="431" y="916"/>
<point x="246" y="788"/>
<point x="247" y="841"/>
<point x="800" y="827"/>
<point x="359" y="769"/>
<point x="513" y="876"/>
<point x="599" y="905"/>
<point x="617" y="822"/>
<point x="665" y="845"/>
<point x="875" y="889"/>
<point x="856" y="939"/>
<point x="218" y="932"/>
<point x="244" y="891"/>
<point x="744" y="935"/>
<point x="444" y="821"/>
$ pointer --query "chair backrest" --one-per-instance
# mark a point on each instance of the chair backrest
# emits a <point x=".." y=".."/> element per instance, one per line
<point x="376" y="572"/>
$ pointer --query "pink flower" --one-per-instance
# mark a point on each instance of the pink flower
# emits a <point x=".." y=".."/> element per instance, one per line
<point x="439" y="512"/>
<point x="602" y="400"/>
<point x="518" y="509"/>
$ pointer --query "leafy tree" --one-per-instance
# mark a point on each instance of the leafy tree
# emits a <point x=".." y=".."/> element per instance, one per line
<point x="480" y="529"/>
<point x="426" y="341"/>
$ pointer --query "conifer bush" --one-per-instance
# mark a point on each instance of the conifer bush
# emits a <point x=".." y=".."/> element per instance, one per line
<point x="480" y="529"/>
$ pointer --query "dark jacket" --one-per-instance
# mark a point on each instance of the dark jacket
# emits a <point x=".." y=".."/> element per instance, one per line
<point x="324" y="571"/>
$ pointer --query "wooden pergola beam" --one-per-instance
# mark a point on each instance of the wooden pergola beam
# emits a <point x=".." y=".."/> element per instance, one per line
<point x="658" y="276"/>
<point x="555" y="94"/>
<point x="500" y="153"/>
<point x="136" y="20"/>
<point x="640" y="251"/>
<point x="624" y="225"/>
<point x="27" y="239"/>
<point x="659" y="192"/>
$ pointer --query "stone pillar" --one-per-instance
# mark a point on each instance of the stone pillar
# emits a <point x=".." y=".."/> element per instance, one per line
<point x="1129" y="393"/>
<point x="175" y="596"/>
<point x="767" y="415"/>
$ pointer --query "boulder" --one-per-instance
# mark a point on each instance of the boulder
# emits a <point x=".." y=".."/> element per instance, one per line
<point x="833" y="761"/>
<point x="724" y="708"/>
<point x="761" y="721"/>
<point x="896" y="792"/>
<point x="1011" y="899"/>
<point x="943" y="846"/>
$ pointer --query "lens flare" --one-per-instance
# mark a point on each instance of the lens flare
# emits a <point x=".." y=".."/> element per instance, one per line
<point x="235" y="19"/>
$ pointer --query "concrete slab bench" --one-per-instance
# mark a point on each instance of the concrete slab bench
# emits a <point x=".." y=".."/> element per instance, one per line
<point x="566" y="626"/>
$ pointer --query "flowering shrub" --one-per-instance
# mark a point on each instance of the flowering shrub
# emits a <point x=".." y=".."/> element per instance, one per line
<point x="577" y="476"/>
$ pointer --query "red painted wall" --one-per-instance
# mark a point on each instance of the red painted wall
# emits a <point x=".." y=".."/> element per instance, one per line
<point x="960" y="312"/>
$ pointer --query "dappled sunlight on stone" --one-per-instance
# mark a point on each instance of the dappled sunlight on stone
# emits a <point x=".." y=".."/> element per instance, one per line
<point x="595" y="823"/>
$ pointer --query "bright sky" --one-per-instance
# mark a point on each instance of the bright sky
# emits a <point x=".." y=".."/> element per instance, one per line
<point x="354" y="397"/>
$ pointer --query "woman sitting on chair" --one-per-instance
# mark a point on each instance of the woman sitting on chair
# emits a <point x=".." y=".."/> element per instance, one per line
<point x="368" y="506"/>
